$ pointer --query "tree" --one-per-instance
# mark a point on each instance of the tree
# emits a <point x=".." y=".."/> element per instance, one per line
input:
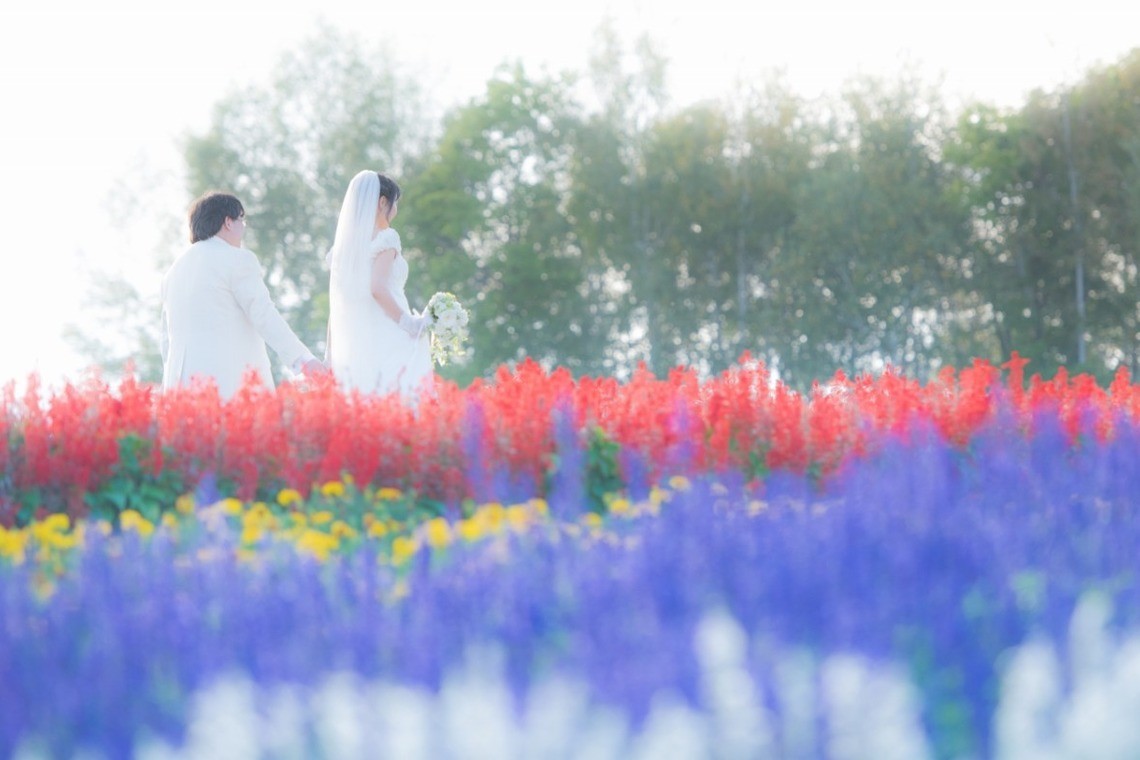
<point x="867" y="264"/>
<point x="1054" y="192"/>
<point x="769" y="155"/>
<point x="492" y="223"/>
<point x="596" y="229"/>
<point x="121" y="327"/>
<point x="1103" y="155"/>
<point x="617" y="220"/>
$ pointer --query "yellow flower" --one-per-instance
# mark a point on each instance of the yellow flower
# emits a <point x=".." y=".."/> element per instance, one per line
<point x="438" y="533"/>
<point x="679" y="483"/>
<point x="322" y="518"/>
<point x="333" y="488"/>
<point x="592" y="520"/>
<point x="299" y="519"/>
<point x="13" y="544"/>
<point x="540" y="507"/>
<point x="259" y="517"/>
<point x="57" y="522"/>
<point x="169" y="521"/>
<point x="129" y="519"/>
<point x="518" y="517"/>
<point x="493" y="516"/>
<point x="232" y="506"/>
<point x="341" y="529"/>
<point x="470" y="530"/>
<point x="317" y="543"/>
<point x="50" y="532"/>
<point x="287" y="496"/>
<point x="658" y="496"/>
<point x="184" y="504"/>
<point x="389" y="494"/>
<point x="251" y="532"/>
<point x="620" y="506"/>
<point x="403" y="548"/>
<point x="376" y="528"/>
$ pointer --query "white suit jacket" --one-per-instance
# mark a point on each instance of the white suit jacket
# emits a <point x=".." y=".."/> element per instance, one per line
<point x="218" y="316"/>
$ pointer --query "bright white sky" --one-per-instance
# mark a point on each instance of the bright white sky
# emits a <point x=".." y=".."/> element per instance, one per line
<point x="95" y="95"/>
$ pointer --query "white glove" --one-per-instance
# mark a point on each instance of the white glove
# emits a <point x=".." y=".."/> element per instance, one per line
<point x="413" y="324"/>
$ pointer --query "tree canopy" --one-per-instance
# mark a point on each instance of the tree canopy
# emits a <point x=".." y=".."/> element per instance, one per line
<point x="588" y="224"/>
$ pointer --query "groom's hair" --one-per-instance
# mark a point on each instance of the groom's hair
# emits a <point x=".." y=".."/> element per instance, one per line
<point x="210" y="212"/>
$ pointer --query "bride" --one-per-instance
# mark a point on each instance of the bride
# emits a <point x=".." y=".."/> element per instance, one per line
<point x="376" y="343"/>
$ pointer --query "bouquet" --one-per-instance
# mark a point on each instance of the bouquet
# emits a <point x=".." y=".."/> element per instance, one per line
<point x="448" y="327"/>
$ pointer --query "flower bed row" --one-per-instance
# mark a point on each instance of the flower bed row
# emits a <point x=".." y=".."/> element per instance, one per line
<point x="927" y="561"/>
<point x="93" y="449"/>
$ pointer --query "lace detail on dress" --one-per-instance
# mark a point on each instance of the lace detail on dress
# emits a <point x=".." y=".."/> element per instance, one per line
<point x="385" y="239"/>
<point x="398" y="278"/>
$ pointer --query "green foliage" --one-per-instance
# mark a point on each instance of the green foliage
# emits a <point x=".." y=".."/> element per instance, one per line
<point x="758" y="468"/>
<point x="135" y="485"/>
<point x="30" y="502"/>
<point x="603" y="474"/>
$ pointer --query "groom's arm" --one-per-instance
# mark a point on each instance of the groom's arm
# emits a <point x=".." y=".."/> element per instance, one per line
<point x="164" y="339"/>
<point x="164" y="325"/>
<point x="254" y="299"/>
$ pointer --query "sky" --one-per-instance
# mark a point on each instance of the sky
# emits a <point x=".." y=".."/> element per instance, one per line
<point x="97" y="97"/>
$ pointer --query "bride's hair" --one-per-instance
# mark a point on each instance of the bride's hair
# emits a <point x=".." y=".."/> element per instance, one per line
<point x="388" y="189"/>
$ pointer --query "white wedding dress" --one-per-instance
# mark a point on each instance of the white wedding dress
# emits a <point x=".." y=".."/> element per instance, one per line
<point x="368" y="350"/>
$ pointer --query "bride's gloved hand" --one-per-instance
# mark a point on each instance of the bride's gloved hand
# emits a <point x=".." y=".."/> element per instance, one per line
<point x="413" y="324"/>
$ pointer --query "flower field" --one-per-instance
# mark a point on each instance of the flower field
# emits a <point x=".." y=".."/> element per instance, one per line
<point x="547" y="566"/>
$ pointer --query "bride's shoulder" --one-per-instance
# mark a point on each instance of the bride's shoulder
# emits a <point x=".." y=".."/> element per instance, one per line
<point x="385" y="239"/>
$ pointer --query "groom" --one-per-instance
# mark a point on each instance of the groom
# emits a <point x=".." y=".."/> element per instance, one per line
<point x="217" y="312"/>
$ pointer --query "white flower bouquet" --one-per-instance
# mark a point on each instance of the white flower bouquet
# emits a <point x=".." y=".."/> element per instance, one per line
<point x="448" y="327"/>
